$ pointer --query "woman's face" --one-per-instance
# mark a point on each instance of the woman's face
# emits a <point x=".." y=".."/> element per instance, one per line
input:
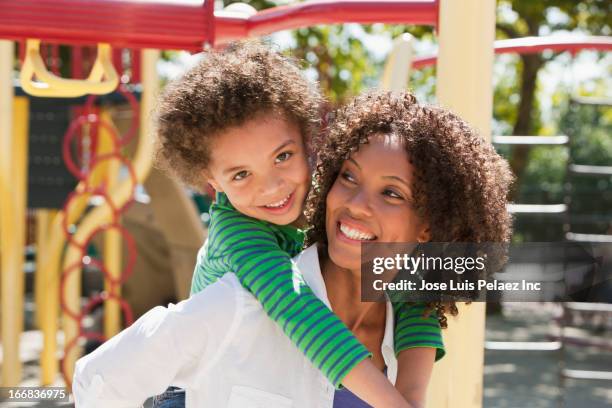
<point x="371" y="201"/>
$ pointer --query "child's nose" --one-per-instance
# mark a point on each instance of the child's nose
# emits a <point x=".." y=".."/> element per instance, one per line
<point x="272" y="186"/>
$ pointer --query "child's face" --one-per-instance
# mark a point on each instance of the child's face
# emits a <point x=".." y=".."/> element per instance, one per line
<point x="262" y="168"/>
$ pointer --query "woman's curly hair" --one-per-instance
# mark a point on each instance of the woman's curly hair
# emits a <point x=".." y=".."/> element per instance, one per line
<point x="226" y="89"/>
<point x="460" y="183"/>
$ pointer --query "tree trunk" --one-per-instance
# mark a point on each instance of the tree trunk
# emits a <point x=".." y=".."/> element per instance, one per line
<point x="523" y="126"/>
<point x="524" y="123"/>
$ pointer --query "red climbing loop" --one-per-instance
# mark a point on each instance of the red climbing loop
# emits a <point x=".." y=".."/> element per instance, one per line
<point x="94" y="189"/>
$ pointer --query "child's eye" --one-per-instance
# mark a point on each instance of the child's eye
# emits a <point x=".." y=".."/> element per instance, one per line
<point x="284" y="156"/>
<point x="241" y="175"/>
<point x="392" y="194"/>
<point x="348" y="177"/>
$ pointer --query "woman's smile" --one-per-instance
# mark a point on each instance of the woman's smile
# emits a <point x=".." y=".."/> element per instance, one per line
<point x="371" y="201"/>
<point x="353" y="232"/>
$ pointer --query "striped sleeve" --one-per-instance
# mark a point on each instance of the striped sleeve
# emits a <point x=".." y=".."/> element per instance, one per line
<point x="249" y="249"/>
<point x="197" y="279"/>
<point x="413" y="330"/>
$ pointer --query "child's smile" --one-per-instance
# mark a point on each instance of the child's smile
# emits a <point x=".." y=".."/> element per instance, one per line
<point x="282" y="206"/>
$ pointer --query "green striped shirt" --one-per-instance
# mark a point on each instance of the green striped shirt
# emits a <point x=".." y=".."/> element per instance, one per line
<point x="413" y="330"/>
<point x="260" y="253"/>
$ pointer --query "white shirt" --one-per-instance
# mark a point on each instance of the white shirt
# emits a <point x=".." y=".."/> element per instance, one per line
<point x="220" y="346"/>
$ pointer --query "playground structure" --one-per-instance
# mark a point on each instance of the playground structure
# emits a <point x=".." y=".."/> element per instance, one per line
<point x="464" y="84"/>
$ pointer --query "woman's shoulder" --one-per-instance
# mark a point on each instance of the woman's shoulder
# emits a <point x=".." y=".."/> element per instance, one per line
<point x="219" y="297"/>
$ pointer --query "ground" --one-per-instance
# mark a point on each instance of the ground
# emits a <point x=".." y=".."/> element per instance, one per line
<point x="531" y="378"/>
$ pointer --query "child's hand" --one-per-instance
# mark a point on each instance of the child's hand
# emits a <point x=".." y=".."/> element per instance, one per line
<point x="371" y="385"/>
<point x="413" y="373"/>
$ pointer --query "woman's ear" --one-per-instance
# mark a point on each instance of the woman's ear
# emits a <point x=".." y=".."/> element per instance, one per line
<point x="425" y="235"/>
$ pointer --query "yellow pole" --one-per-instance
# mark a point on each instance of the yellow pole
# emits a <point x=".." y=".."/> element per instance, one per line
<point x="112" y="239"/>
<point x="464" y="84"/>
<point x="112" y="261"/>
<point x="20" y="191"/>
<point x="142" y="165"/>
<point x="6" y="133"/>
<point x="11" y="317"/>
<point x="43" y="227"/>
<point x="13" y="190"/>
<point x="50" y="280"/>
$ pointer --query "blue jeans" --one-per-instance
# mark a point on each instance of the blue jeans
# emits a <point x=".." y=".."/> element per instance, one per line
<point x="173" y="397"/>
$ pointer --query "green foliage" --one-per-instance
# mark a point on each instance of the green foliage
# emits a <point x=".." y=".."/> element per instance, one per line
<point x="526" y="17"/>
<point x="590" y="131"/>
<point x="344" y="66"/>
<point x="545" y="175"/>
<point x="506" y="94"/>
<point x="590" y="128"/>
<point x="341" y="61"/>
<point x="257" y="4"/>
<point x="544" y="179"/>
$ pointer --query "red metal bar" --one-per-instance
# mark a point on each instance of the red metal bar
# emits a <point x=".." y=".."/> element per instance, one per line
<point x="22" y="50"/>
<point x="118" y="61"/>
<point x="419" y="12"/>
<point x="176" y="25"/>
<point x="138" y="24"/>
<point x="55" y="59"/>
<point x="535" y="45"/>
<point x="76" y="63"/>
<point x="135" y="66"/>
<point x="87" y="60"/>
<point x="125" y="23"/>
<point x="44" y="51"/>
<point x="50" y="54"/>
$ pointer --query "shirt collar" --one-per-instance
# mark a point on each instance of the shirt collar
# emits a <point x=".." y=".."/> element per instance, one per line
<point x="294" y="233"/>
<point x="307" y="262"/>
<point x="221" y="200"/>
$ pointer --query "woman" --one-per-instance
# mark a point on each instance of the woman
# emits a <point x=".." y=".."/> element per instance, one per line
<point x="390" y="170"/>
<point x="397" y="171"/>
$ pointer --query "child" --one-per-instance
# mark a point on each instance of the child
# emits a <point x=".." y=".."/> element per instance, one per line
<point x="242" y="120"/>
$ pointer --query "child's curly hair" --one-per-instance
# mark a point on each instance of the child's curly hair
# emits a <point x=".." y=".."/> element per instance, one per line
<point x="460" y="183"/>
<point x="226" y="89"/>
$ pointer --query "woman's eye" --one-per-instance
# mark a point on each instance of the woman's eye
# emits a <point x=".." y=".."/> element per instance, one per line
<point x="241" y="175"/>
<point x="392" y="194"/>
<point x="348" y="177"/>
<point x="283" y="157"/>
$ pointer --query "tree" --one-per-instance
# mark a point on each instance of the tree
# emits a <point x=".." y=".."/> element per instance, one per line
<point x="533" y="18"/>
<point x="344" y="67"/>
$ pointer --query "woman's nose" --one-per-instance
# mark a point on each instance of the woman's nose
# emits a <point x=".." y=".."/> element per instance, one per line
<point x="359" y="204"/>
